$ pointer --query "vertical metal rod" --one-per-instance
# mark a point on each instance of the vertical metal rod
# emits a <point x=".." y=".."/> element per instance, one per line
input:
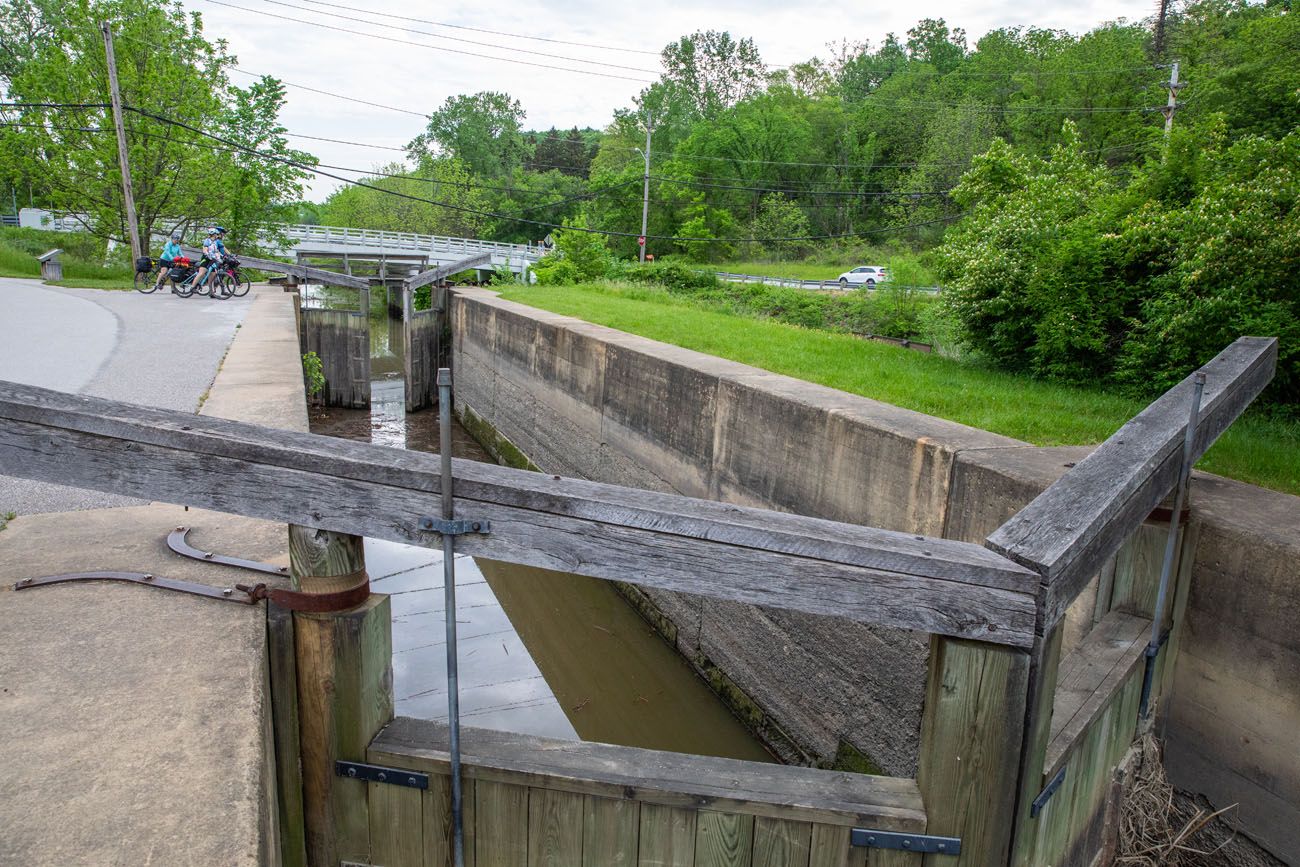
<point x="1171" y="544"/>
<point x="645" y="196"/>
<point x="449" y="603"/>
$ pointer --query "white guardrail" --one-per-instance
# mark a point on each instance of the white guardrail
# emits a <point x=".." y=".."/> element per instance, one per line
<point x="342" y="236"/>
<point x="803" y="284"/>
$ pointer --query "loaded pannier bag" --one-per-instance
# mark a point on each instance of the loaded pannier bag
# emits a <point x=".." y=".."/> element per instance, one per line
<point x="182" y="267"/>
<point x="143" y="265"/>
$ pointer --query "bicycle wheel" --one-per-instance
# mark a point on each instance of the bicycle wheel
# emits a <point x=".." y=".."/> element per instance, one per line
<point x="145" y="282"/>
<point x="219" y="287"/>
<point x="185" y="288"/>
<point x="240" y="285"/>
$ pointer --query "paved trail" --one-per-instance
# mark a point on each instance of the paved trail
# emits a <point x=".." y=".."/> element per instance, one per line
<point x="157" y="350"/>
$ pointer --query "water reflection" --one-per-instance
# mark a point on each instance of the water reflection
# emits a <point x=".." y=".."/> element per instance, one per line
<point x="541" y="652"/>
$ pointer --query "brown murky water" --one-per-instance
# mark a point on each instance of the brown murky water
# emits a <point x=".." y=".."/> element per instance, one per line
<point x="584" y="664"/>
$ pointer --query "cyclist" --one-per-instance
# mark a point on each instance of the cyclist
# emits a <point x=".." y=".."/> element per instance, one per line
<point x="213" y="252"/>
<point x="170" y="252"/>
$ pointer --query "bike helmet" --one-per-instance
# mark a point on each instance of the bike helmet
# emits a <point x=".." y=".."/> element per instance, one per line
<point x="176" y="236"/>
<point x="212" y="231"/>
<point x="220" y="230"/>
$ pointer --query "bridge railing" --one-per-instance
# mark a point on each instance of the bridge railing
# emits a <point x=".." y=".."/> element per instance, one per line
<point x="407" y="240"/>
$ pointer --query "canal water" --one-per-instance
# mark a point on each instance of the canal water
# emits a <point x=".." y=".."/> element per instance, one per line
<point x="540" y="652"/>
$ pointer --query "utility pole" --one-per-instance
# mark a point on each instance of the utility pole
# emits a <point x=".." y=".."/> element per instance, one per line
<point x="1172" y="104"/>
<point x="128" y="198"/>
<point x="645" y="195"/>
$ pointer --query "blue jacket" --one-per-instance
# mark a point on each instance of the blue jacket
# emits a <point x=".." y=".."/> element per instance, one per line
<point x="171" y="250"/>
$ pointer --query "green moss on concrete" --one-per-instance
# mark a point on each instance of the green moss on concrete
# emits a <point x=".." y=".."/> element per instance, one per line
<point x="748" y="711"/>
<point x="850" y="758"/>
<point x="497" y="444"/>
<point x="648" y="611"/>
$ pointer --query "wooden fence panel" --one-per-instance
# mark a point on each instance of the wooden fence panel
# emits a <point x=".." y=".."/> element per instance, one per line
<point x="723" y="839"/>
<point x="342" y="340"/>
<point x="667" y="837"/>
<point x="610" y="832"/>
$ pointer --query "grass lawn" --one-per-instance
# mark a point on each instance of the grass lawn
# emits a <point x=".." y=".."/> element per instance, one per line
<point x="1256" y="449"/>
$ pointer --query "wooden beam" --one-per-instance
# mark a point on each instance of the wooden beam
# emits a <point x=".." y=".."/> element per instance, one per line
<point x="1069" y="531"/>
<point x="655" y="540"/>
<point x="433" y="275"/>
<point x="674" y="780"/>
<point x="306" y="273"/>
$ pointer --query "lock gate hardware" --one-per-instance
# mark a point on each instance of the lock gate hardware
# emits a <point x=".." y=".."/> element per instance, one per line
<point x="927" y="843"/>
<point x="381" y="774"/>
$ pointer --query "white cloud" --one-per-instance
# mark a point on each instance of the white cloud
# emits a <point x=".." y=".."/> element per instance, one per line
<point x="420" y="79"/>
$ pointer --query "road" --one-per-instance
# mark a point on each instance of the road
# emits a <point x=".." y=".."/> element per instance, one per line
<point x="157" y="350"/>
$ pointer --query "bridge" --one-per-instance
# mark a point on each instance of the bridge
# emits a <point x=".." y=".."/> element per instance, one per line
<point x="406" y="250"/>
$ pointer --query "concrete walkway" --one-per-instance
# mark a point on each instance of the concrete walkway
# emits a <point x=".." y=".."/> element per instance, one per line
<point x="137" y="721"/>
<point x="157" y="350"/>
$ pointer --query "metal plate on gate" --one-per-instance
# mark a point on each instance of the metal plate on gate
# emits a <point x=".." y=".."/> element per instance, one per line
<point x="381" y="774"/>
<point x="927" y="843"/>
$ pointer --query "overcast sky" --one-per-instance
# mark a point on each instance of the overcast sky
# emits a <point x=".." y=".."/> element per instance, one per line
<point x="420" y="79"/>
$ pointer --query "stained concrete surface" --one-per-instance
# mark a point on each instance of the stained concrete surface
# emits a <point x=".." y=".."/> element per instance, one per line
<point x="133" y="716"/>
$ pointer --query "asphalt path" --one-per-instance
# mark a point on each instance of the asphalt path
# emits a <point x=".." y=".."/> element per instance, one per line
<point x="157" y="350"/>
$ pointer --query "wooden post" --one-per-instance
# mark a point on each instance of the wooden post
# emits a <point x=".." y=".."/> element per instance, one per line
<point x="971" y="739"/>
<point x="345" y="691"/>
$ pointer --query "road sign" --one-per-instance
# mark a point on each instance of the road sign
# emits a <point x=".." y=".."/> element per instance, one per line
<point x="641" y="240"/>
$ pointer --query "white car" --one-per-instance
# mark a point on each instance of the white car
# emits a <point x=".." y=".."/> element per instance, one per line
<point x="868" y="275"/>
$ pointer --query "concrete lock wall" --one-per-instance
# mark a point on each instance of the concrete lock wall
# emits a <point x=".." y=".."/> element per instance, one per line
<point x="585" y="401"/>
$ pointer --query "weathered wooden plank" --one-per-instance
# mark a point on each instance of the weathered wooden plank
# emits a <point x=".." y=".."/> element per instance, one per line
<point x="344" y="697"/>
<point x="667" y="837"/>
<point x="658" y="540"/>
<point x="283" y="672"/>
<point x="501" y="830"/>
<point x="396" y="826"/>
<point x="554" y="828"/>
<point x="971" y="740"/>
<point x="304" y="272"/>
<point x="668" y="779"/>
<point x="437" y="820"/>
<point x="894" y="858"/>
<point x="1088" y="680"/>
<point x="433" y="275"/>
<point x="1040" y="692"/>
<point x="1068" y="532"/>
<point x="611" y="832"/>
<point x="830" y="846"/>
<point x="781" y="842"/>
<point x="724" y="839"/>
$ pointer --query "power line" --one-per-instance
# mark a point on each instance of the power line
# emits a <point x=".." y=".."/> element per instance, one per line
<point x="430" y="47"/>
<point x="462" y="40"/>
<point x="335" y="95"/>
<point x="494" y="32"/>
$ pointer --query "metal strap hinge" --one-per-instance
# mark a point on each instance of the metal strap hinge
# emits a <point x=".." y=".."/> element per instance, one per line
<point x="380" y="774"/>
<point x="1046" y="794"/>
<point x="456" y="527"/>
<point x="927" y="843"/>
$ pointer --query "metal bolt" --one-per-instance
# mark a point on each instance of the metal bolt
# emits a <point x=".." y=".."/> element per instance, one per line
<point x="410" y="781"/>
<point x="352" y="772"/>
<point x="25" y="581"/>
<point x="226" y="592"/>
<point x="207" y="555"/>
<point x="871" y="840"/>
<point x="383" y="778"/>
<point x="942" y="847"/>
<point x="179" y="529"/>
<point x="148" y="577"/>
<point x="476" y="526"/>
<point x="907" y="844"/>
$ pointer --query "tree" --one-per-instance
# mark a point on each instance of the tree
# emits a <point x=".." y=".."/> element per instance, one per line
<point x="713" y="70"/>
<point x="177" y="175"/>
<point x="779" y="219"/>
<point x="439" y="198"/>
<point x="481" y="130"/>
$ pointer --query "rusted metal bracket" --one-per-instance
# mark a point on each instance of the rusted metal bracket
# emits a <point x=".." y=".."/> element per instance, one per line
<point x="928" y="843"/>
<point x="176" y="541"/>
<point x="318" y="603"/>
<point x="381" y="774"/>
<point x="229" y="594"/>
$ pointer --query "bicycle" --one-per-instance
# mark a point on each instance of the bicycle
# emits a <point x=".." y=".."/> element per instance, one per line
<point x="213" y="279"/>
<point x="146" y="271"/>
<point x="235" y="282"/>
